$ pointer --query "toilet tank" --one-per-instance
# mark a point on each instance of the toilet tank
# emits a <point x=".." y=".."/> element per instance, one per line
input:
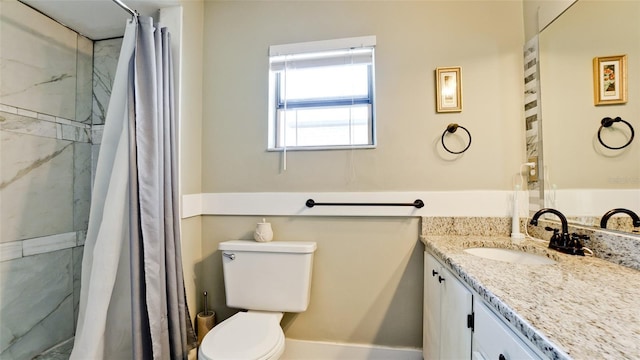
<point x="268" y="276"/>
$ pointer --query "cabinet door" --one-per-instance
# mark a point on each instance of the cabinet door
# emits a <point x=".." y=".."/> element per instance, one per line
<point x="447" y="302"/>
<point x="492" y="339"/>
<point x="431" y="309"/>
<point x="456" y="302"/>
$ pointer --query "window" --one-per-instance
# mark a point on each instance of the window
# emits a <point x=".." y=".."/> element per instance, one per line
<point x="321" y="94"/>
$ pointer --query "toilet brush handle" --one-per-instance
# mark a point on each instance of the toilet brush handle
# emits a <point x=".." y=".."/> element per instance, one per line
<point x="204" y="295"/>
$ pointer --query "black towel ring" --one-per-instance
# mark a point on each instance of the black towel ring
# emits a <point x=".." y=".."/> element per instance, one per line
<point x="451" y="128"/>
<point x="607" y="122"/>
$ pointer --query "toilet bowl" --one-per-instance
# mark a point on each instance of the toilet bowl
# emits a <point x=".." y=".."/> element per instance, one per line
<point x="254" y="335"/>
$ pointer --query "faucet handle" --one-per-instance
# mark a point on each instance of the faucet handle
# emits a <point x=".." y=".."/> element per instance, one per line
<point x="575" y="240"/>
<point x="556" y="238"/>
<point x="579" y="236"/>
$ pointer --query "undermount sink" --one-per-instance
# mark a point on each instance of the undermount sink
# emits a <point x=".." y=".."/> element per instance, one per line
<point x="509" y="255"/>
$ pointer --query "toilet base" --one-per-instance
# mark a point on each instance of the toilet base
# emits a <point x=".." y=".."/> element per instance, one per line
<point x="252" y="335"/>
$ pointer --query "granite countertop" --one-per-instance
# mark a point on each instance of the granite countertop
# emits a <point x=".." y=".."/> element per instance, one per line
<point x="578" y="308"/>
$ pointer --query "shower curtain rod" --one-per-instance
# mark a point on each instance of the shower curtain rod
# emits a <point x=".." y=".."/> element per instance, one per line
<point x="126" y="8"/>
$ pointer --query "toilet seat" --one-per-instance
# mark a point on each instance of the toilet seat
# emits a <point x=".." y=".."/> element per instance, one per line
<point x="246" y="335"/>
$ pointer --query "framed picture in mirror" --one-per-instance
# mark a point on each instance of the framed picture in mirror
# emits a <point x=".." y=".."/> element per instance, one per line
<point x="448" y="89"/>
<point x="610" y="80"/>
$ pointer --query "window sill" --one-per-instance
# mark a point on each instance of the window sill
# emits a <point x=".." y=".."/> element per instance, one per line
<point x="313" y="148"/>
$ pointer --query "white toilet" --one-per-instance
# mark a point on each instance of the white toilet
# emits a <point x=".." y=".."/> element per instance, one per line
<point x="267" y="279"/>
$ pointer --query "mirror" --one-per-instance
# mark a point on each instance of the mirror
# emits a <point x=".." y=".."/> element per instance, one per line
<point x="582" y="178"/>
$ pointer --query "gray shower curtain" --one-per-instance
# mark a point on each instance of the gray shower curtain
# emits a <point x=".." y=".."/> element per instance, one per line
<point x="132" y="300"/>
<point x="156" y="272"/>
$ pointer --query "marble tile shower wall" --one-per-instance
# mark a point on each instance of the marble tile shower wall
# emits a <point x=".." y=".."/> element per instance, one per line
<point x="105" y="62"/>
<point x="47" y="147"/>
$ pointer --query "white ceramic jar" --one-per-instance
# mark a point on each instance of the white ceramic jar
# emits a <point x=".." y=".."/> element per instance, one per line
<point x="263" y="232"/>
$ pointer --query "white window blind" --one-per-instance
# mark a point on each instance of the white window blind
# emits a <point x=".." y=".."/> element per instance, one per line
<point x="321" y="94"/>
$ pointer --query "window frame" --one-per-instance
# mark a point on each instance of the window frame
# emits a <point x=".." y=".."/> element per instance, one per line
<point x="277" y="104"/>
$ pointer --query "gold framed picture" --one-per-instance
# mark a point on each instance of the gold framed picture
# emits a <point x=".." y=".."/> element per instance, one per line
<point x="448" y="89"/>
<point x="610" y="80"/>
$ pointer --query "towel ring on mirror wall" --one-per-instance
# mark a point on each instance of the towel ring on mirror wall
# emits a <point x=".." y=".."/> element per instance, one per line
<point x="451" y="128"/>
<point x="607" y="122"/>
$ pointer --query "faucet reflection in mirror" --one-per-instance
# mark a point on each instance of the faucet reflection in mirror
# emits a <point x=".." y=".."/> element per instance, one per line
<point x="563" y="242"/>
<point x="610" y="213"/>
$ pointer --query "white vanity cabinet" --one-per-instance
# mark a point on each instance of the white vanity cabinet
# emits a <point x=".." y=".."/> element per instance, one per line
<point x="447" y="305"/>
<point x="493" y="340"/>
<point x="457" y="324"/>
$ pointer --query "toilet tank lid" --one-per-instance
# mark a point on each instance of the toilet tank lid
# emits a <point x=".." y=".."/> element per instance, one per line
<point x="304" y="247"/>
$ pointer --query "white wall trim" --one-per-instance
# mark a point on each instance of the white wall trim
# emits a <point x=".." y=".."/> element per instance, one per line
<point x="489" y="203"/>
<point x="592" y="202"/>
<point x="191" y="205"/>
<point x="313" y="350"/>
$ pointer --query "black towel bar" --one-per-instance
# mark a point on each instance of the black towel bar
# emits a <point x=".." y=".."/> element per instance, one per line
<point x="418" y="204"/>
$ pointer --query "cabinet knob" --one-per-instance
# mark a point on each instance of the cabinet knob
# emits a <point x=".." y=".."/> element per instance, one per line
<point x="502" y="357"/>
<point x="441" y="279"/>
<point x="434" y="273"/>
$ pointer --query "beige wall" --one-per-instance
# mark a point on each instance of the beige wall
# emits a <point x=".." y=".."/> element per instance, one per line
<point x="191" y="143"/>
<point x="413" y="38"/>
<point x="570" y="121"/>
<point x="367" y="284"/>
<point x="367" y="280"/>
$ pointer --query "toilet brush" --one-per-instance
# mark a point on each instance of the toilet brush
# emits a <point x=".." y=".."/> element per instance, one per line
<point x="205" y="319"/>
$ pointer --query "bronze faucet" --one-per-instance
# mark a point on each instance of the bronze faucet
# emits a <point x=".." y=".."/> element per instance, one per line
<point x="569" y="244"/>
<point x="608" y="214"/>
